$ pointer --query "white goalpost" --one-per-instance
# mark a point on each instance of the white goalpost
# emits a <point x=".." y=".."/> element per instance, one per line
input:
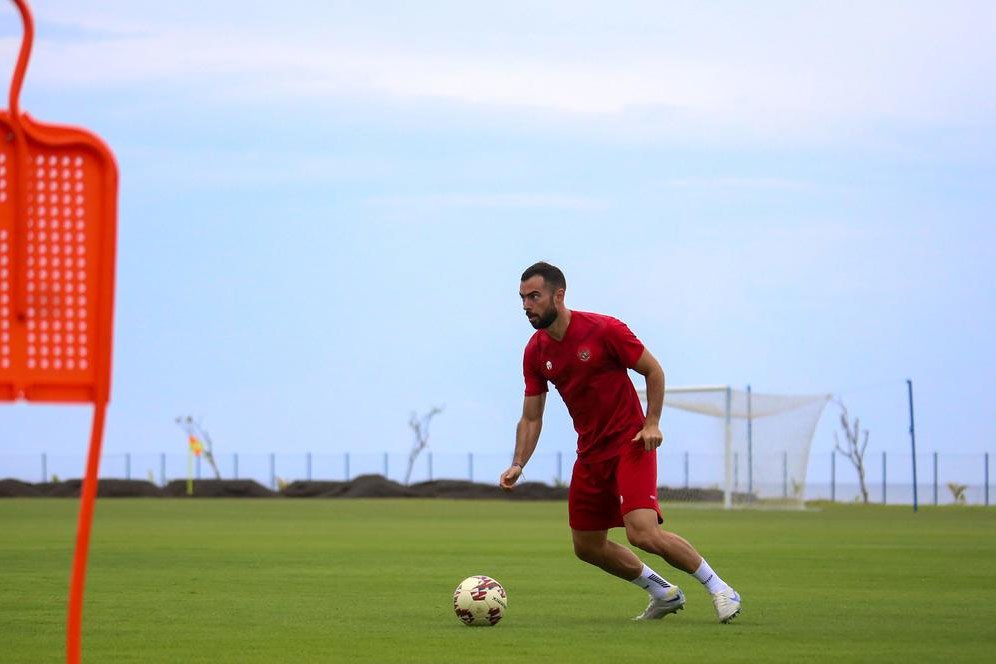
<point x="751" y="447"/>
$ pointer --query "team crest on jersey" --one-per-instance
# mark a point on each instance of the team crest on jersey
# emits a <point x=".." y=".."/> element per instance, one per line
<point x="584" y="354"/>
<point x="549" y="365"/>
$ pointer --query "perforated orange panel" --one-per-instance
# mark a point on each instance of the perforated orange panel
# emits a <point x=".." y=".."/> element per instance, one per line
<point x="58" y="317"/>
<point x="56" y="264"/>
<point x="6" y="268"/>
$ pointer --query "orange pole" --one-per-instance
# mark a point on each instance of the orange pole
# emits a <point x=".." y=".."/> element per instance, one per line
<point x="88" y="496"/>
<point x="22" y="58"/>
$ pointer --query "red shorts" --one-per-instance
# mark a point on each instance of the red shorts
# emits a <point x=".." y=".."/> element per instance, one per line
<point x="603" y="491"/>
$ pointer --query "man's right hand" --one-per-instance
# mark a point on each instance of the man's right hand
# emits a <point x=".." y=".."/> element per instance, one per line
<point x="510" y="477"/>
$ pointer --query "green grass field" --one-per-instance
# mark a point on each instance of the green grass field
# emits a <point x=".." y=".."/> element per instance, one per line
<point x="371" y="580"/>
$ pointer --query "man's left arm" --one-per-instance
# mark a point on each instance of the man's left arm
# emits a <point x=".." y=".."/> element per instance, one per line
<point x="648" y="367"/>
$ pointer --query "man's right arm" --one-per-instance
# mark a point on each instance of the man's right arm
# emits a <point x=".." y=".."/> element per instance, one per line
<point x="526" y="436"/>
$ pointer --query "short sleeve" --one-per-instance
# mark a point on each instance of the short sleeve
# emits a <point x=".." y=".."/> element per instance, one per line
<point x="535" y="381"/>
<point x="622" y="343"/>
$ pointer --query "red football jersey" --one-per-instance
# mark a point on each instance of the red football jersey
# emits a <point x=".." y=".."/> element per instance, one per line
<point x="588" y="367"/>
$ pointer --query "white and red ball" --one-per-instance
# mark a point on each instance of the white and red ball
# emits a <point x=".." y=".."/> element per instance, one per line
<point x="479" y="601"/>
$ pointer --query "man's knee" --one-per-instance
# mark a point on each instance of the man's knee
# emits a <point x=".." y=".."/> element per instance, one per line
<point x="647" y="539"/>
<point x="590" y="550"/>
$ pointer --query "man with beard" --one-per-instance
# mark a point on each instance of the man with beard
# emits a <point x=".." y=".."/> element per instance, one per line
<point x="614" y="482"/>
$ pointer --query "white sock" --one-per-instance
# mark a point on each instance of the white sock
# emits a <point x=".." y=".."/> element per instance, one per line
<point x="709" y="579"/>
<point x="652" y="582"/>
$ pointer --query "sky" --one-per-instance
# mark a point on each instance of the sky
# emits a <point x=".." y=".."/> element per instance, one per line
<point x="325" y="208"/>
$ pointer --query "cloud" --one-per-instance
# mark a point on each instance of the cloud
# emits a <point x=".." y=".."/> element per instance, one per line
<point x="757" y="183"/>
<point x="783" y="70"/>
<point x="512" y="200"/>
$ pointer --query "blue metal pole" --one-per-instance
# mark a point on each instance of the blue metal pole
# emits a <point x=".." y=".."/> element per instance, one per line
<point x="273" y="471"/>
<point x="935" y="478"/>
<point x="430" y="466"/>
<point x="833" y="476"/>
<point x="347" y="466"/>
<point x="560" y="460"/>
<point x="127" y="465"/>
<point x="44" y="467"/>
<point x="987" y="479"/>
<point x="883" y="478"/>
<point x="909" y="389"/>
<point x="385" y="465"/>
<point x="162" y="468"/>
<point x="470" y="466"/>
<point x="750" y="447"/>
<point x="309" y="466"/>
<point x="686" y="469"/>
<point x="235" y="466"/>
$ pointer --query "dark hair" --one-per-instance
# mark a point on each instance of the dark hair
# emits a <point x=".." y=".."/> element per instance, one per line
<point x="551" y="274"/>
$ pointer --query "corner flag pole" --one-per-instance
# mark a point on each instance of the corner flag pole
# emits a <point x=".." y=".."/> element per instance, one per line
<point x="909" y="391"/>
<point x="190" y="471"/>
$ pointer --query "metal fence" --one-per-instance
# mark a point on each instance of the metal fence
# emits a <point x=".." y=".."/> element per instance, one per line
<point x="943" y="478"/>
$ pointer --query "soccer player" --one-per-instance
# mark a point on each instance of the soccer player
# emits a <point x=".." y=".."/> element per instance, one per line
<point x="614" y="483"/>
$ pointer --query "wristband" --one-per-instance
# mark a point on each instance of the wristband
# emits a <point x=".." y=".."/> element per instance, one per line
<point x="516" y="463"/>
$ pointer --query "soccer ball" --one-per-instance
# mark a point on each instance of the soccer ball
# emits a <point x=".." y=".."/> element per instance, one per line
<point x="479" y="601"/>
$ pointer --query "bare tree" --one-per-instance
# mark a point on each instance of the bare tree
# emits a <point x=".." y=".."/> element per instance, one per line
<point x="957" y="492"/>
<point x="420" y="427"/>
<point x="194" y="429"/>
<point x="857" y="443"/>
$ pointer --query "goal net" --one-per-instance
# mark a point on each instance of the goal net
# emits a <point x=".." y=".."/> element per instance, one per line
<point x="736" y="446"/>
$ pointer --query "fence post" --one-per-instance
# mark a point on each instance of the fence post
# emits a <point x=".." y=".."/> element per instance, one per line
<point x="346" y="461"/>
<point x="883" y="477"/>
<point x="909" y="391"/>
<point x="44" y="467"/>
<point x="235" y="466"/>
<point x="987" y="478"/>
<point x="750" y="447"/>
<point x="935" y="478"/>
<point x="686" y="469"/>
<point x="127" y="465"/>
<point x="470" y="466"/>
<point x="833" y="476"/>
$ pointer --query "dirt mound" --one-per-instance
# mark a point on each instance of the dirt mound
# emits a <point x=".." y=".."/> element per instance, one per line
<point x="219" y="489"/>
<point x="18" y="489"/>
<point x="376" y="486"/>
<point x="462" y="489"/>
<point x="456" y="489"/>
<point x="690" y="495"/>
<point x="127" y="489"/>
<point x="64" y="489"/>
<point x="537" y="491"/>
<point x="105" y="489"/>
<point x="364" y="486"/>
<point x="302" y="489"/>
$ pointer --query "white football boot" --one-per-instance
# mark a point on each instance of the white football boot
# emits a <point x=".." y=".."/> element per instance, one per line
<point x="727" y="603"/>
<point x="672" y="602"/>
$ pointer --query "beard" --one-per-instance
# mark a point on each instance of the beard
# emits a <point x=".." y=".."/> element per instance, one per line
<point x="545" y="320"/>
